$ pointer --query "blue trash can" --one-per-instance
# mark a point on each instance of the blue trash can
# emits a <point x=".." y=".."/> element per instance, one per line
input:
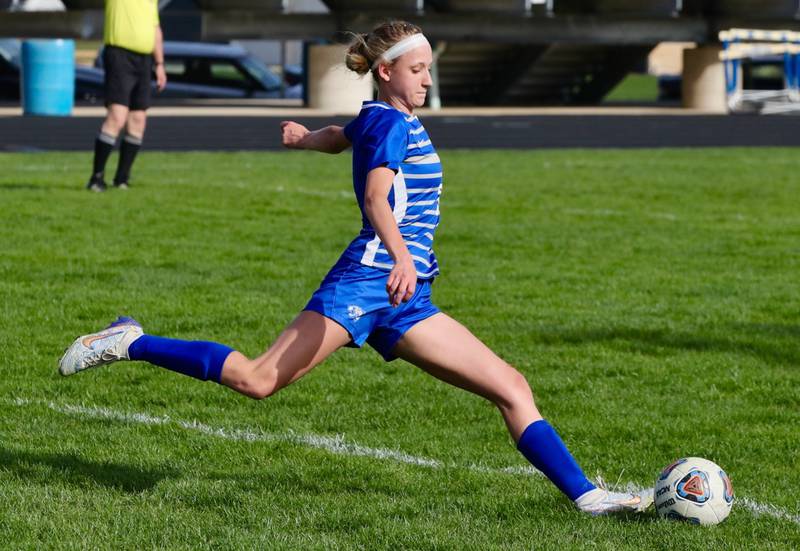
<point x="48" y="77"/>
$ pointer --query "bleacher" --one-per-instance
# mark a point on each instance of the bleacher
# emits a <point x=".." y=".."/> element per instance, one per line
<point x="494" y="52"/>
<point x="743" y="48"/>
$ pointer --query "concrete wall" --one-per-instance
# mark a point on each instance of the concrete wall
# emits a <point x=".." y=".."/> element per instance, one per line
<point x="331" y="85"/>
<point x="703" y="85"/>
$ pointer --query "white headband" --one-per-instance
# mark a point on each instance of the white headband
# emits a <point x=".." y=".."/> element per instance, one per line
<point x="408" y="43"/>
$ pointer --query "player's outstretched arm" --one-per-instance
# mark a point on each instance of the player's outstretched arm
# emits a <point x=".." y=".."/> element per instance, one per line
<point x="330" y="139"/>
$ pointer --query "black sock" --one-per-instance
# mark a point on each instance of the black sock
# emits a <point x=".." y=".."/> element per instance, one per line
<point x="103" y="146"/>
<point x="127" y="153"/>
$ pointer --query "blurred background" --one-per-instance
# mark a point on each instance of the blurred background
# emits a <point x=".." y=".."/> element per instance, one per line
<point x="489" y="53"/>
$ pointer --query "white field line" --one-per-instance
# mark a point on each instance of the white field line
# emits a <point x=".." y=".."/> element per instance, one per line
<point x="338" y="445"/>
<point x="759" y="509"/>
<point x="335" y="444"/>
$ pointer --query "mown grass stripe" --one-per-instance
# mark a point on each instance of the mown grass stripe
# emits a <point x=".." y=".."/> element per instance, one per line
<point x="339" y="446"/>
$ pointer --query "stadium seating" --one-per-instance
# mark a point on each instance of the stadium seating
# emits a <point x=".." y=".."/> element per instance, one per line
<point x="495" y="52"/>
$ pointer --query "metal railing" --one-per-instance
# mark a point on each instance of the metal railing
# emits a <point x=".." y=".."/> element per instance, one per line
<point x="739" y="45"/>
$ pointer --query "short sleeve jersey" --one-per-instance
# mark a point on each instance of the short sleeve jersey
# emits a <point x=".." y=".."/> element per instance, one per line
<point x="131" y="24"/>
<point x="383" y="136"/>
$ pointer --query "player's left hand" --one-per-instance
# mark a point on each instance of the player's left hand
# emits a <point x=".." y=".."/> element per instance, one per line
<point x="161" y="78"/>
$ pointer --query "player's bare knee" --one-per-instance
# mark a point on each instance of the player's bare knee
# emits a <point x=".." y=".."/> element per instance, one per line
<point x="264" y="391"/>
<point x="262" y="384"/>
<point x="254" y="389"/>
<point x="247" y="377"/>
<point x="514" y="390"/>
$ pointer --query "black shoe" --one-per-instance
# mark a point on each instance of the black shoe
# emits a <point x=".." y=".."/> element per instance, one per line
<point x="96" y="185"/>
<point x="122" y="185"/>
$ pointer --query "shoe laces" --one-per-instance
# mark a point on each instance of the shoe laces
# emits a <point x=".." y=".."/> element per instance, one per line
<point x="601" y="482"/>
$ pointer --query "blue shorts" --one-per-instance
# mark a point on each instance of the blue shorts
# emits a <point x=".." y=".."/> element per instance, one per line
<point x="355" y="297"/>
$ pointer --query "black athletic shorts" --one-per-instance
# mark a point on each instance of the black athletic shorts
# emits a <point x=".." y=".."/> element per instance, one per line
<point x="127" y="80"/>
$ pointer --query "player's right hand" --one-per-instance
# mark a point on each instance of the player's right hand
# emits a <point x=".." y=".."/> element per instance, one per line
<point x="292" y="134"/>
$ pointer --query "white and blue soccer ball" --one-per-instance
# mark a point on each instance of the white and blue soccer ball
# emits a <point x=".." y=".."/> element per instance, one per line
<point x="694" y="489"/>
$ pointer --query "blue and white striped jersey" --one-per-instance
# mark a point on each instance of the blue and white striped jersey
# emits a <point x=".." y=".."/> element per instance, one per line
<point x="383" y="136"/>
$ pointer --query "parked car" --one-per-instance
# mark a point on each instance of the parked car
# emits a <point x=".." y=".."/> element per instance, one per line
<point x="201" y="70"/>
<point x="88" y="80"/>
<point x="194" y="70"/>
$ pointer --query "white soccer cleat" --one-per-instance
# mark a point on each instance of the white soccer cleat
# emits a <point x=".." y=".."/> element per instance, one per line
<point x="602" y="502"/>
<point x="106" y="346"/>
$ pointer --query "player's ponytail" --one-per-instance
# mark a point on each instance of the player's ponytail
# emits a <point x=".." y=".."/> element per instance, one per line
<point x="357" y="57"/>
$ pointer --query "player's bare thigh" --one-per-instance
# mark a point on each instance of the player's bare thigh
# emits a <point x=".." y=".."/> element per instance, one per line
<point x="449" y="351"/>
<point x="305" y="343"/>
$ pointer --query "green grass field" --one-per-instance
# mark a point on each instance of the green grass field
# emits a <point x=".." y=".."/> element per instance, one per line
<point x="651" y="298"/>
<point x="635" y="88"/>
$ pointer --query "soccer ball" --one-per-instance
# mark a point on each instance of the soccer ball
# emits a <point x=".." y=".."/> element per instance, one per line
<point x="694" y="489"/>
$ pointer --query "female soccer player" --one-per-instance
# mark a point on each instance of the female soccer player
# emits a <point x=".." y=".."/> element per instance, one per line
<point x="379" y="291"/>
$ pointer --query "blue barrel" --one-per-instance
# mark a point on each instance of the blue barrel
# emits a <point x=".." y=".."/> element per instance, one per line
<point x="48" y="77"/>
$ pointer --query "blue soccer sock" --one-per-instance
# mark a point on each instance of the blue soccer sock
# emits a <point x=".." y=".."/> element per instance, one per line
<point x="541" y="445"/>
<point x="199" y="359"/>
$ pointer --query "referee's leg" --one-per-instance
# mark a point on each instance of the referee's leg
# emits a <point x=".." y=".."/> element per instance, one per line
<point x="129" y="147"/>
<point x="116" y="116"/>
<point x="139" y="101"/>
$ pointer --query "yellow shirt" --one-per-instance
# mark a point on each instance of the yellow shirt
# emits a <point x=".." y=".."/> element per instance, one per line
<point x="131" y="24"/>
